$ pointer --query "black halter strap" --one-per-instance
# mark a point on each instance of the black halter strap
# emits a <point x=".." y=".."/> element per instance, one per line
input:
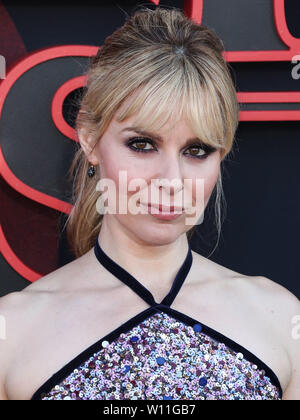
<point x="135" y="285"/>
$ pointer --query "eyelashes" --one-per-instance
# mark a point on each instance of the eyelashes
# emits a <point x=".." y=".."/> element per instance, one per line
<point x="145" y="141"/>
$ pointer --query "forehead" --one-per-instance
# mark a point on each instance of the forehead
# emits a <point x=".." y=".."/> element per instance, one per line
<point x="176" y="121"/>
<point x="172" y="126"/>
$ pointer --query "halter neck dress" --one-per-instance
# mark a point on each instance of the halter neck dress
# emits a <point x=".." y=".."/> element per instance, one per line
<point x="161" y="354"/>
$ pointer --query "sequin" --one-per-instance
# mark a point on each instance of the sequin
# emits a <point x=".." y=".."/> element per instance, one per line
<point x="202" y="381"/>
<point x="203" y="369"/>
<point x="127" y="368"/>
<point x="197" y="327"/>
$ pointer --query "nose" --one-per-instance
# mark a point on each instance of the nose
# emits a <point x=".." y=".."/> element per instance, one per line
<point x="170" y="176"/>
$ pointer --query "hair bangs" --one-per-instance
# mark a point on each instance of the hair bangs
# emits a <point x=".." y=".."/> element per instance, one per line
<point x="159" y="101"/>
<point x="155" y="103"/>
<point x="204" y="113"/>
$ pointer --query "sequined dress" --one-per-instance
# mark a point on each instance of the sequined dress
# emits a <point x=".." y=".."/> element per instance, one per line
<point x="161" y="354"/>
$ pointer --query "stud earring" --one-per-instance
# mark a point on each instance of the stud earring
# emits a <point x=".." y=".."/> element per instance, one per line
<point x="91" y="171"/>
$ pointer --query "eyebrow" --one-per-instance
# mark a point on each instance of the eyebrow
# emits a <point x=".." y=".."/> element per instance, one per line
<point x="157" y="137"/>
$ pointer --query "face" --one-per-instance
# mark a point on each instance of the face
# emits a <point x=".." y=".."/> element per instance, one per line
<point x="172" y="153"/>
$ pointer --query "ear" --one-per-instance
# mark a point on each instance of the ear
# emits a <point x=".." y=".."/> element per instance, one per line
<point x="87" y="142"/>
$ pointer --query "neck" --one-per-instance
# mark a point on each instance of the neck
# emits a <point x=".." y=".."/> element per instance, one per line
<point x="144" y="260"/>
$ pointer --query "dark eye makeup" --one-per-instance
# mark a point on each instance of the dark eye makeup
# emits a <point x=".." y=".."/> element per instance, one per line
<point x="147" y="141"/>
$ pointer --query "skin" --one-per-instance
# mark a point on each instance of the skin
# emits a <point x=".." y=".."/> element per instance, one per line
<point x="54" y="319"/>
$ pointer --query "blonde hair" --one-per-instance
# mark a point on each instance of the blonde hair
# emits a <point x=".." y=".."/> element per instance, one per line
<point x="175" y="68"/>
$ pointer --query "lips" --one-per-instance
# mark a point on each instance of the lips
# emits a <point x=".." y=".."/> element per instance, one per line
<point x="165" y="209"/>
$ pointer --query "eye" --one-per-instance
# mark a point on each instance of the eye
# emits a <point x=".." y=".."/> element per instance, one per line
<point x="199" y="151"/>
<point x="141" y="143"/>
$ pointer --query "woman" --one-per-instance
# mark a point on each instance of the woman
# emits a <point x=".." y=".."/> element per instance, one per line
<point x="138" y="314"/>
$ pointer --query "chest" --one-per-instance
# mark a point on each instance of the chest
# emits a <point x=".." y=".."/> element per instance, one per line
<point x="168" y="351"/>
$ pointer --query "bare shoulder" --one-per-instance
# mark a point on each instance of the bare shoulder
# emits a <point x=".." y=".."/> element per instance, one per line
<point x="21" y="309"/>
<point x="27" y="309"/>
<point x="263" y="296"/>
<point x="16" y="309"/>
<point x="284" y="307"/>
<point x="17" y="312"/>
<point x="260" y="289"/>
<point x="274" y="299"/>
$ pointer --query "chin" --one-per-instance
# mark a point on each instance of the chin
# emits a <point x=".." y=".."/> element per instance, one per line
<point x="158" y="234"/>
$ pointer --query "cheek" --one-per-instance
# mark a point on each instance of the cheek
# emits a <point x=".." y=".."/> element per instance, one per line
<point x="208" y="179"/>
<point x="113" y="168"/>
<point x="210" y="182"/>
<point x="132" y="170"/>
<point x="122" y="174"/>
<point x="116" y="160"/>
